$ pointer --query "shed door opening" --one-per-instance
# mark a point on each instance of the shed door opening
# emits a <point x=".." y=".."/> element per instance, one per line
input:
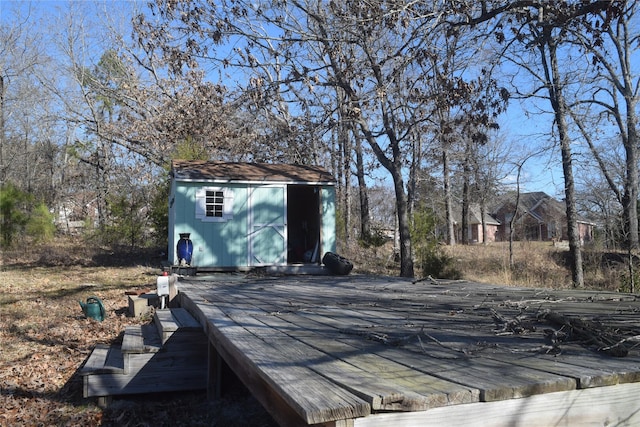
<point x="303" y="224"/>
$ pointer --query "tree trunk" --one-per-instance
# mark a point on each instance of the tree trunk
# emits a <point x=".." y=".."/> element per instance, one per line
<point x="2" y="167"/>
<point x="448" y="198"/>
<point x="512" y="221"/>
<point x="622" y="36"/>
<point x="465" y="212"/>
<point x="394" y="167"/>
<point x="483" y="222"/>
<point x="631" y="188"/>
<point x="346" y="191"/>
<point x="558" y="104"/>
<point x="416" y="148"/>
<point x="630" y="199"/>
<point x="402" y="207"/>
<point x="365" y="219"/>
<point x="336" y="166"/>
<point x="466" y="198"/>
<point x="102" y="183"/>
<point x="342" y="154"/>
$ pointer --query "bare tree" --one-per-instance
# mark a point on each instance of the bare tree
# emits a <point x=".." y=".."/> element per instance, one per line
<point x="548" y="46"/>
<point x="365" y="218"/>
<point x="490" y="170"/>
<point x="544" y="27"/>
<point x="21" y="98"/>
<point x="615" y="93"/>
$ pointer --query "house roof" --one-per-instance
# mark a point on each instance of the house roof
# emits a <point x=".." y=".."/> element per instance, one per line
<point x="475" y="216"/>
<point x="539" y="205"/>
<point x="527" y="202"/>
<point x="532" y="200"/>
<point x="199" y="170"/>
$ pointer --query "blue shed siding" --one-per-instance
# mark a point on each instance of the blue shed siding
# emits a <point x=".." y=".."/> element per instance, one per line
<point x="220" y="244"/>
<point x="328" y="218"/>
<point x="268" y="222"/>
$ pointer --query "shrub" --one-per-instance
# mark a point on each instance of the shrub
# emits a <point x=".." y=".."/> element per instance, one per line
<point x="435" y="262"/>
<point x="20" y="215"/>
<point x="431" y="259"/>
<point x="13" y="213"/>
<point x="40" y="224"/>
<point x="375" y="239"/>
<point x="159" y="213"/>
<point x="127" y="221"/>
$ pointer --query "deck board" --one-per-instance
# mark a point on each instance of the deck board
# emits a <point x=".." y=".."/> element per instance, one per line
<point x="426" y="392"/>
<point x="386" y="384"/>
<point x="334" y="349"/>
<point x="313" y="397"/>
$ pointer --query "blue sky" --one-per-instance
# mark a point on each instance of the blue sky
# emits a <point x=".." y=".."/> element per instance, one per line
<point x="543" y="171"/>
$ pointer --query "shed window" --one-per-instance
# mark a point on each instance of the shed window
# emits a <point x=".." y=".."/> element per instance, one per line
<point x="214" y="204"/>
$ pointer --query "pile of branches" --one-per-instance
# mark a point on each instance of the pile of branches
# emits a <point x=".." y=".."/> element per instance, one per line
<point x="563" y="329"/>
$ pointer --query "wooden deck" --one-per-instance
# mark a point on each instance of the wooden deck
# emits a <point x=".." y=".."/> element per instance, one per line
<point x="371" y="351"/>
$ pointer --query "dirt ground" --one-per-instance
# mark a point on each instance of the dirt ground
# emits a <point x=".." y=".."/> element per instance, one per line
<point x="45" y="339"/>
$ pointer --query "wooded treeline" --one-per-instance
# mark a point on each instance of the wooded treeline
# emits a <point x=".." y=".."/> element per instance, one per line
<point x="403" y="99"/>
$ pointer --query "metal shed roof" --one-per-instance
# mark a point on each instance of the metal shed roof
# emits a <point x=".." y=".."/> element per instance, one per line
<point x="198" y="170"/>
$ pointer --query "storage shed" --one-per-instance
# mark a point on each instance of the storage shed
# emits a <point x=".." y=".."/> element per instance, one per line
<point x="245" y="215"/>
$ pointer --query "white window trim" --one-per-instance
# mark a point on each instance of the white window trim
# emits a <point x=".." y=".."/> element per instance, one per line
<point x="227" y="206"/>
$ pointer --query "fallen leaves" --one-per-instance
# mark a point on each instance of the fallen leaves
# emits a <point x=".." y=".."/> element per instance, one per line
<point x="46" y="339"/>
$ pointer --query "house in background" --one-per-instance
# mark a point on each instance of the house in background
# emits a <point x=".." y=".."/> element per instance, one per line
<point x="475" y="232"/>
<point x="539" y="217"/>
<point x="245" y="215"/>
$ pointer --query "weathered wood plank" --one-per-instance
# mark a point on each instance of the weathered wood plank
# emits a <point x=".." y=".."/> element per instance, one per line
<point x="312" y="397"/>
<point x="353" y="364"/>
<point x="168" y="361"/>
<point x="475" y="373"/>
<point x="150" y="373"/>
<point x="97" y="361"/>
<point x="145" y="382"/>
<point x="185" y="320"/>
<point x="165" y="323"/>
<point x="585" y="369"/>
<point x="379" y="391"/>
<point x="171" y="321"/>
<point x="141" y="339"/>
<point x="417" y="338"/>
<point x="593" y="407"/>
<point x="356" y="380"/>
<point x="166" y="320"/>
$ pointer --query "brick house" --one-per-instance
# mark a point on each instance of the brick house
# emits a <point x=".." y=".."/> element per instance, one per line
<point x="539" y="217"/>
<point x="475" y="232"/>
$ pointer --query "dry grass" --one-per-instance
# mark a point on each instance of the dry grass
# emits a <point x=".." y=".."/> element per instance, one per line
<point x="536" y="264"/>
<point x="540" y="264"/>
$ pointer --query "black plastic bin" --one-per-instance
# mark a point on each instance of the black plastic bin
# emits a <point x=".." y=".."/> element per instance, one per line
<point x="337" y="264"/>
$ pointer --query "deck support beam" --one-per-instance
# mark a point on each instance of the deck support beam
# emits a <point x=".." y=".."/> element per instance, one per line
<point x="214" y="373"/>
<point x="277" y="407"/>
